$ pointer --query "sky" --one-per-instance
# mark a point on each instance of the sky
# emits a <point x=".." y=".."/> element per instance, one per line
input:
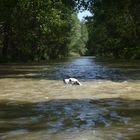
<point x="83" y="14"/>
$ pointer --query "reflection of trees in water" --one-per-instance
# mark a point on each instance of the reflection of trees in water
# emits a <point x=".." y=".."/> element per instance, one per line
<point x="66" y="114"/>
<point x="85" y="68"/>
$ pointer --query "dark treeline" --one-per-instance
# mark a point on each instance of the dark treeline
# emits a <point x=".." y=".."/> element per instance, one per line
<point x="35" y="30"/>
<point x="114" y="29"/>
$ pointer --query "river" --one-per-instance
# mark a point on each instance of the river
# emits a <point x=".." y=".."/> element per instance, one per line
<point x="36" y="104"/>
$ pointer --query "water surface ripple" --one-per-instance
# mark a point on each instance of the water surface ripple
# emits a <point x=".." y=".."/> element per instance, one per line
<point x="35" y="103"/>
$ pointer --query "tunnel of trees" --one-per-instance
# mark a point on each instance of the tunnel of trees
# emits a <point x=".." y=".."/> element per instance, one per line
<point x="35" y="30"/>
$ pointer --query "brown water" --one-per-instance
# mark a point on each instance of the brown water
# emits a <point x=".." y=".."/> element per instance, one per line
<point x="35" y="104"/>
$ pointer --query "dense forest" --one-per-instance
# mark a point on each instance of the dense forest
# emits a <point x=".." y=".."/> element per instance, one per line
<point x="114" y="29"/>
<point x="35" y="30"/>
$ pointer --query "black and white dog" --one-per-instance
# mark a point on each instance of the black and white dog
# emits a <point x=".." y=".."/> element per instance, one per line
<point x="72" y="81"/>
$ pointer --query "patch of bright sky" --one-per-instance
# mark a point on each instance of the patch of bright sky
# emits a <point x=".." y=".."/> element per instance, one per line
<point x="83" y="14"/>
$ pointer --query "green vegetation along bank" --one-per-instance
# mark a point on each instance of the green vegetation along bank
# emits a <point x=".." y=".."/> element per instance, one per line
<point x="49" y="29"/>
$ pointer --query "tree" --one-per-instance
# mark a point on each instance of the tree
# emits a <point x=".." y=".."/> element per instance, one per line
<point x="115" y="28"/>
<point x="6" y="9"/>
<point x="79" y="36"/>
<point x="35" y="30"/>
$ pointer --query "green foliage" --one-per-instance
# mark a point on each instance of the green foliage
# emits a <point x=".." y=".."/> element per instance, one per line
<point x="114" y="28"/>
<point x="36" y="30"/>
<point x="79" y="36"/>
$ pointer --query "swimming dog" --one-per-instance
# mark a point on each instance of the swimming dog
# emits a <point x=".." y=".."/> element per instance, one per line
<point x="72" y="81"/>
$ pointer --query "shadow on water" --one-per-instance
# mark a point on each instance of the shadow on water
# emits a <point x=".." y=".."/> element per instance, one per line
<point x="83" y="68"/>
<point x="62" y="113"/>
<point x="69" y="115"/>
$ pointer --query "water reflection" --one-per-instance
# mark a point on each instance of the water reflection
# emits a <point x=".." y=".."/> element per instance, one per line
<point x="57" y="116"/>
<point x="35" y="104"/>
<point x="85" y="68"/>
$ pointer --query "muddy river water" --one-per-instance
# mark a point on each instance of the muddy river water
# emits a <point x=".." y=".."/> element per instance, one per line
<point x="35" y="104"/>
